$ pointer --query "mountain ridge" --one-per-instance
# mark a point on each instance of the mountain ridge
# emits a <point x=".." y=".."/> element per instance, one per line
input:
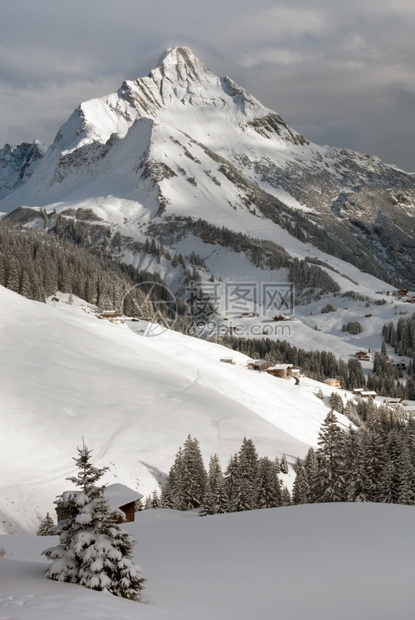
<point x="184" y="142"/>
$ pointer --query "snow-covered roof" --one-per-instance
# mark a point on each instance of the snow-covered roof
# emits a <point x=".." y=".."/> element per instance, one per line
<point x="119" y="495"/>
<point x="280" y="366"/>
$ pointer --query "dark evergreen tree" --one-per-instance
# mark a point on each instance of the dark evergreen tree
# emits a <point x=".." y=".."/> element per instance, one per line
<point x="284" y="465"/>
<point x="215" y="499"/>
<point x="301" y="487"/>
<point x="329" y="483"/>
<point x="46" y="526"/>
<point x="267" y="486"/>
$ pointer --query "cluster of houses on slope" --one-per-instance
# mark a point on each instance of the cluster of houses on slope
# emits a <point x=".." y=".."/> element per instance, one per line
<point x="402" y="293"/>
<point x="283" y="371"/>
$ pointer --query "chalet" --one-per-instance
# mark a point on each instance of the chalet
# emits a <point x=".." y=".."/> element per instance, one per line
<point x="55" y="299"/>
<point x="393" y="402"/>
<point x="259" y="365"/>
<point x="363" y="356"/>
<point x="358" y="391"/>
<point x="227" y="360"/>
<point x="113" y="316"/>
<point x="283" y="371"/>
<point x="402" y="292"/>
<point x="332" y="382"/>
<point x="118" y="496"/>
<point x="281" y="317"/>
<point x="368" y="394"/>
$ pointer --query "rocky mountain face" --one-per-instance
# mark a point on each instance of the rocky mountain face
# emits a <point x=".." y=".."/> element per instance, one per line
<point x="183" y="146"/>
<point x="17" y="164"/>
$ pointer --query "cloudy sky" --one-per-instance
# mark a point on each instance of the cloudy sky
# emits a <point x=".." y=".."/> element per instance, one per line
<point x="340" y="72"/>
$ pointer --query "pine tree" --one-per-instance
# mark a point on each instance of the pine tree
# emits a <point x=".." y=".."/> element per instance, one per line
<point x="46" y="526"/>
<point x="268" y="492"/>
<point x="329" y="483"/>
<point x="193" y="475"/>
<point x="373" y="463"/>
<point x="284" y="465"/>
<point x="93" y="549"/>
<point x="301" y="487"/>
<point x="286" y="496"/>
<point x="215" y="501"/>
<point x="406" y="479"/>
<point x="232" y="481"/>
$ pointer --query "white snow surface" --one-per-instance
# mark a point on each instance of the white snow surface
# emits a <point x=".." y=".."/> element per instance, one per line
<point x="68" y="376"/>
<point x="321" y="562"/>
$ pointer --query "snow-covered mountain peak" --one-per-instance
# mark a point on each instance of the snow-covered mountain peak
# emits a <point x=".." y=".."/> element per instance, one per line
<point x="180" y="64"/>
<point x="183" y="142"/>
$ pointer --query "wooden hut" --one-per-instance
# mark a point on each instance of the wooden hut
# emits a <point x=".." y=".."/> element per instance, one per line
<point x="333" y="382"/>
<point x="283" y="371"/>
<point x="118" y="496"/>
<point x="259" y="364"/>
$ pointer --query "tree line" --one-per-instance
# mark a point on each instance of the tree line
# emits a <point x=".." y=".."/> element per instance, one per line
<point x="248" y="482"/>
<point x="372" y="460"/>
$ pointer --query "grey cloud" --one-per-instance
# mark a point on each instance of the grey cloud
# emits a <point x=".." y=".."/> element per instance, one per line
<point x="341" y="71"/>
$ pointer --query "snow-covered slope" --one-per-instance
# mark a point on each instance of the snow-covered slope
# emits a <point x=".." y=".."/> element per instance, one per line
<point x="67" y="375"/>
<point x="184" y="142"/>
<point x="321" y="562"/>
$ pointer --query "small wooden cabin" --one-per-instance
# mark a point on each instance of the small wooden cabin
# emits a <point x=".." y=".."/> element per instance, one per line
<point x="259" y="365"/>
<point x="368" y="394"/>
<point x="122" y="497"/>
<point x="118" y="496"/>
<point x="113" y="316"/>
<point x="333" y="382"/>
<point x="283" y="371"/>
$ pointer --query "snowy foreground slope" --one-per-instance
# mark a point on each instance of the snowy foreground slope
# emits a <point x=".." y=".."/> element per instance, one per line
<point x="326" y="561"/>
<point x="66" y="375"/>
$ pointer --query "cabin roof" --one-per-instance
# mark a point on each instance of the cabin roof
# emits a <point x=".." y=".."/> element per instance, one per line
<point x="118" y="495"/>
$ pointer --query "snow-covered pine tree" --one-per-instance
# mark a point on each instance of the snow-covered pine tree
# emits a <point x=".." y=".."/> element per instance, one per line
<point x="301" y="487"/>
<point x="268" y="491"/>
<point x="93" y="549"/>
<point x="193" y="475"/>
<point x="232" y="481"/>
<point x="215" y="500"/>
<point x="171" y="495"/>
<point x="406" y="479"/>
<point x="286" y="496"/>
<point x="46" y="526"/>
<point x="329" y="483"/>
<point x="373" y="463"/>
<point x="284" y="465"/>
